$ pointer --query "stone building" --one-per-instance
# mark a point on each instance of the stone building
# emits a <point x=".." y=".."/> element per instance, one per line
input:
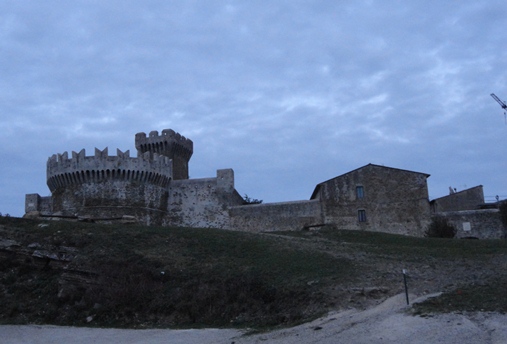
<point x="468" y="199"/>
<point x="373" y="198"/>
<point x="469" y="214"/>
<point x="376" y="198"/>
<point x="154" y="189"/>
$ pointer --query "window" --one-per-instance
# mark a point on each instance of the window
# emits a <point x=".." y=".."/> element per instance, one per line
<point x="361" y="215"/>
<point x="359" y="192"/>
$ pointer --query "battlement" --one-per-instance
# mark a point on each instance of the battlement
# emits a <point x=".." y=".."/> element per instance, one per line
<point x="170" y="144"/>
<point x="163" y="143"/>
<point x="152" y="168"/>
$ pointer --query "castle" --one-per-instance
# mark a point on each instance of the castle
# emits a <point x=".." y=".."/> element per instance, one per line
<point x="154" y="189"/>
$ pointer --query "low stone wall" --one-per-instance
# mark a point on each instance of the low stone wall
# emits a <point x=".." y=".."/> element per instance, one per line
<point x="284" y="216"/>
<point x="481" y="224"/>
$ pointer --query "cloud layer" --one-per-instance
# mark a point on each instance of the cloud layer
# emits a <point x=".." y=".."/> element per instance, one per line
<point x="287" y="93"/>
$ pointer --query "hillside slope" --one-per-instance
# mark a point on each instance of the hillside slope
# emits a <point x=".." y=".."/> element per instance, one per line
<point x="70" y="273"/>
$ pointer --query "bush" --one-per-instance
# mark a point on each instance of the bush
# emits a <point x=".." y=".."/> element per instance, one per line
<point x="247" y="200"/>
<point x="440" y="228"/>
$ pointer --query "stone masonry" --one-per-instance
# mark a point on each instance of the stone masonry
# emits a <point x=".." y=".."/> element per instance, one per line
<point x="154" y="189"/>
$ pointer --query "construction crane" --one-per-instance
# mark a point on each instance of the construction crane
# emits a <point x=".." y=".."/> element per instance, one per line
<point x="502" y="104"/>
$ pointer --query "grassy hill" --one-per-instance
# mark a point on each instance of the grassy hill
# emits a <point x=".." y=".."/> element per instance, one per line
<point x="83" y="274"/>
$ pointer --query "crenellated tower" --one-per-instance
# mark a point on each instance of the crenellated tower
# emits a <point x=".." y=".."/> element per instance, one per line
<point x="170" y="144"/>
<point x="153" y="188"/>
<point x="64" y="172"/>
<point x="104" y="186"/>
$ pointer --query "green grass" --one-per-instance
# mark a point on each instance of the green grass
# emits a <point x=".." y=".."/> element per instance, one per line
<point x="482" y="294"/>
<point x="136" y="276"/>
<point x="149" y="276"/>
<point x="410" y="247"/>
<point x="489" y="296"/>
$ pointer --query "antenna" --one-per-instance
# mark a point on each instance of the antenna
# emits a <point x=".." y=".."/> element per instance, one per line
<point x="502" y="104"/>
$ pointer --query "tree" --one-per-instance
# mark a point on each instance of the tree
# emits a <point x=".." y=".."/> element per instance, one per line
<point x="440" y="228"/>
<point x="247" y="200"/>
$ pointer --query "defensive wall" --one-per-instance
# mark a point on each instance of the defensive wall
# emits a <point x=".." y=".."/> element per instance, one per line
<point x="480" y="224"/>
<point x="37" y="203"/>
<point x="80" y="169"/>
<point x="284" y="216"/>
<point x="153" y="187"/>
<point x="104" y="186"/>
<point x="170" y="144"/>
<point x="202" y="202"/>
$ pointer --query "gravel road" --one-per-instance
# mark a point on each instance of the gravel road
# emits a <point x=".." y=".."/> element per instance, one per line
<point x="384" y="323"/>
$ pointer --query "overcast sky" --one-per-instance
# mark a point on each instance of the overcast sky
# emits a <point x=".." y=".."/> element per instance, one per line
<point x="287" y="93"/>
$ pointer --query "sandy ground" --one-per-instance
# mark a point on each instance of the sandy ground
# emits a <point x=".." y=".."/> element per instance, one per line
<point x="385" y="323"/>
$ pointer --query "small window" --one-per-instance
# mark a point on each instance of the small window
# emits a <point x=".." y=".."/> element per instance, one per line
<point x="361" y="215"/>
<point x="359" y="192"/>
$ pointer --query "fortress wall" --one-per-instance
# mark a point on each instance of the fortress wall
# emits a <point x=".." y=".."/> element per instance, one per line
<point x="34" y="202"/>
<point x="170" y="144"/>
<point x="112" y="198"/>
<point x="202" y="202"/>
<point x="482" y="224"/>
<point x="62" y="171"/>
<point x="286" y="216"/>
<point x="46" y="205"/>
<point x="103" y="186"/>
<point x="156" y="142"/>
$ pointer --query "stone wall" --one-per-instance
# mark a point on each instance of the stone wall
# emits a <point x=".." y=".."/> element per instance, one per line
<point x="103" y="186"/>
<point x="36" y="203"/>
<point x="80" y="169"/>
<point x="170" y="144"/>
<point x="377" y="198"/>
<point x="202" y="202"/>
<point x="481" y="224"/>
<point x="286" y="216"/>
<point x="112" y="199"/>
<point x="468" y="199"/>
<point x="155" y="189"/>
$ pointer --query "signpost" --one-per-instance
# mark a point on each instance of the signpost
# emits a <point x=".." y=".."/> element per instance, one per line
<point x="405" y="282"/>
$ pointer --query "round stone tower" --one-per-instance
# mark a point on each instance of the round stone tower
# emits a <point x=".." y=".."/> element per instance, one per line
<point x="170" y="144"/>
<point x="109" y="187"/>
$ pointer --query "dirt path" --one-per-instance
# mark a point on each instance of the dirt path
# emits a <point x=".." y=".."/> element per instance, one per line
<point x="388" y="323"/>
<point x="385" y="323"/>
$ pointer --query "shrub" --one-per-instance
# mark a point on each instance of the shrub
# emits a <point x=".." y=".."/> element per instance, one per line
<point x="247" y="200"/>
<point x="440" y="228"/>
